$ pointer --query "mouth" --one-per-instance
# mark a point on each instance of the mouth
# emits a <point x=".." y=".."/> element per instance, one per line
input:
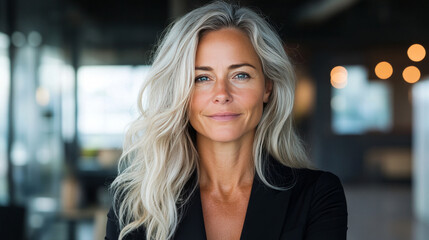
<point x="224" y="116"/>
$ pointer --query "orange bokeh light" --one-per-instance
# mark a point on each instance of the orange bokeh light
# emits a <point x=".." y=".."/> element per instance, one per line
<point x="411" y="74"/>
<point x="383" y="70"/>
<point x="416" y="52"/>
<point x="338" y="85"/>
<point x="339" y="77"/>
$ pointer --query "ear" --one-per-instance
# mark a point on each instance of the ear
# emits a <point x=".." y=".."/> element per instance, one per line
<point x="268" y="89"/>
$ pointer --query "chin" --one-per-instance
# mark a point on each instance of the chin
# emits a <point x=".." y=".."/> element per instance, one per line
<point x="224" y="139"/>
<point x="225" y="136"/>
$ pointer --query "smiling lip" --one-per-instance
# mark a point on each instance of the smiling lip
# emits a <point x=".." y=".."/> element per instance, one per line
<point x="224" y="116"/>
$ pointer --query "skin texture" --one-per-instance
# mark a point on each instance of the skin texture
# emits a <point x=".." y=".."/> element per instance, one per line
<point x="226" y="106"/>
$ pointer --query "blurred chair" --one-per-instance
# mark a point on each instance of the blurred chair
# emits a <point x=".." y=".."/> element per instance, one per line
<point x="389" y="163"/>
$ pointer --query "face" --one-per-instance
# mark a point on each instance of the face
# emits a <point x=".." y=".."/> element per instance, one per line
<point x="230" y="88"/>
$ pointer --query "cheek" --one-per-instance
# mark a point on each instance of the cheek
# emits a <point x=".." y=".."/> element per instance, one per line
<point x="253" y="99"/>
<point x="196" y="105"/>
<point x="255" y="105"/>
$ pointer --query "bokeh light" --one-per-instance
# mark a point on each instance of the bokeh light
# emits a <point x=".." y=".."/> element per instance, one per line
<point x="383" y="70"/>
<point x="411" y="74"/>
<point x="339" y="77"/>
<point x="416" y="52"/>
<point x="304" y="96"/>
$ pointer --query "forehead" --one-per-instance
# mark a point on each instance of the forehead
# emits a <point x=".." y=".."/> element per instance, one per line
<point x="226" y="45"/>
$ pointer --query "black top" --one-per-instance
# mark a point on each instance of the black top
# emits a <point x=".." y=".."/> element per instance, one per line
<point x="314" y="208"/>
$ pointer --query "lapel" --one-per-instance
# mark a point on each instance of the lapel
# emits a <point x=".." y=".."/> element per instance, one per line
<point x="191" y="225"/>
<point x="265" y="213"/>
<point x="267" y="207"/>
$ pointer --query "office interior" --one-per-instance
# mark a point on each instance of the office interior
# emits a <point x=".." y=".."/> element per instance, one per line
<point x="70" y="71"/>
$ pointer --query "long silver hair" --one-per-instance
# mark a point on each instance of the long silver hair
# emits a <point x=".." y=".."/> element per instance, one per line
<point x="159" y="153"/>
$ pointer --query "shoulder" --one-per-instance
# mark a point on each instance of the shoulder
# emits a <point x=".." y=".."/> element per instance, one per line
<point x="310" y="187"/>
<point x="325" y="188"/>
<point x="316" y="179"/>
<point x="322" y="195"/>
<point x="321" y="188"/>
<point x="315" y="185"/>
<point x="317" y="203"/>
<point x="112" y="226"/>
<point x="302" y="178"/>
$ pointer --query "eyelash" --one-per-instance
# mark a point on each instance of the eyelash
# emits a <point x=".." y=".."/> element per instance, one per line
<point x="247" y="76"/>
<point x="198" y="79"/>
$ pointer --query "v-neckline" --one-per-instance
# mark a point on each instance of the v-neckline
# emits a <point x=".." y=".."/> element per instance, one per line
<point x="265" y="213"/>
<point x="245" y="216"/>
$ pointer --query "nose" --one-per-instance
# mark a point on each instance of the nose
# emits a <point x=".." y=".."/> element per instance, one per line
<point x="222" y="93"/>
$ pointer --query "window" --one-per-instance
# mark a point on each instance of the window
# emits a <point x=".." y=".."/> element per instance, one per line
<point x="107" y="97"/>
<point x="361" y="106"/>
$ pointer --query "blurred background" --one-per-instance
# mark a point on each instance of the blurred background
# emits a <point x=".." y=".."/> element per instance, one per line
<point x="70" y="71"/>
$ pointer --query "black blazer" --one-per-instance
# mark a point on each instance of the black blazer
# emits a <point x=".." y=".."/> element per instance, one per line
<point x="314" y="208"/>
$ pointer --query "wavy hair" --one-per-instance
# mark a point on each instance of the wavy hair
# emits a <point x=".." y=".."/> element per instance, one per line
<point x="159" y="154"/>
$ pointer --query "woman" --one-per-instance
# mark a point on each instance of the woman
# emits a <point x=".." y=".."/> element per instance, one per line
<point x="213" y="154"/>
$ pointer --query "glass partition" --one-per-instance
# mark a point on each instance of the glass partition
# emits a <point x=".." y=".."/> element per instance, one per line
<point x="107" y="97"/>
<point x="420" y="149"/>
<point x="4" y="101"/>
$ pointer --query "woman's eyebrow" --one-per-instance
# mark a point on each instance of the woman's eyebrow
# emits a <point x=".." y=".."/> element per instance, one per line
<point x="234" y="66"/>
<point x="241" y="65"/>
<point x="203" y="68"/>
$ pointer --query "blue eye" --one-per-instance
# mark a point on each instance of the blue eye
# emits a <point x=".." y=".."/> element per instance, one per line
<point x="242" y="76"/>
<point x="202" y="79"/>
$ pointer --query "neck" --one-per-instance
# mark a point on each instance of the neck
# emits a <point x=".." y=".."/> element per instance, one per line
<point x="224" y="167"/>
